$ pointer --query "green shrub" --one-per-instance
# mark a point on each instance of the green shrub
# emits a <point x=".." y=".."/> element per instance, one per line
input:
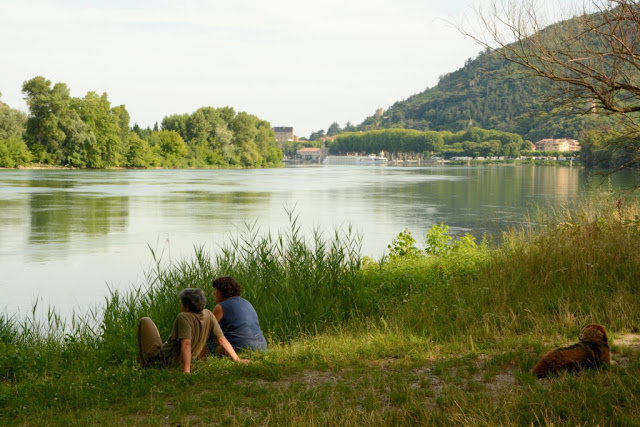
<point x="13" y="152"/>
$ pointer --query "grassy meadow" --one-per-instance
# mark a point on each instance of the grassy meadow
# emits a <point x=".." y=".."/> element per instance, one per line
<point x="440" y="332"/>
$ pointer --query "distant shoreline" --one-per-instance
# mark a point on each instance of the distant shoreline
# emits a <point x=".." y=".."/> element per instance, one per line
<point x="40" y="166"/>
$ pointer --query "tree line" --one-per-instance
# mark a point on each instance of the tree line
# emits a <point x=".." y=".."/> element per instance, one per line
<point x="472" y="142"/>
<point x="89" y="133"/>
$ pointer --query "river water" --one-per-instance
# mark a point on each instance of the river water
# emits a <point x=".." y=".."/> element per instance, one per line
<point x="67" y="236"/>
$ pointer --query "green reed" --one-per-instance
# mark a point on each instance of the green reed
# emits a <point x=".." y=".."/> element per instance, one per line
<point x="444" y="339"/>
<point x="297" y="285"/>
<point x="561" y="270"/>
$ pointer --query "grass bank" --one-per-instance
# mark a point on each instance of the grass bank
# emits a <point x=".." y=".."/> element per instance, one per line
<point x="442" y="333"/>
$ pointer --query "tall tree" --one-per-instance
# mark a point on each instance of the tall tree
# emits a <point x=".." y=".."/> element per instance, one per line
<point x="12" y="122"/>
<point x="245" y="131"/>
<point x="170" y="146"/>
<point x="105" y="125"/>
<point x="317" y="135"/>
<point x="54" y="128"/>
<point x="334" y="129"/>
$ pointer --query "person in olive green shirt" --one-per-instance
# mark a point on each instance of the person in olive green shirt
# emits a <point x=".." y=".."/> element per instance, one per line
<point x="193" y="327"/>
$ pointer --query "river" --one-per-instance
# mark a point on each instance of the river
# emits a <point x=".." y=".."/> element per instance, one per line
<point x="66" y="236"/>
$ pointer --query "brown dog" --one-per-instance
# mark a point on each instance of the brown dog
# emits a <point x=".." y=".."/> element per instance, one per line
<point x="590" y="352"/>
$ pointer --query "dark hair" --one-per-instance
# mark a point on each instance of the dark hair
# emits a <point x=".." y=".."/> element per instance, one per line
<point x="227" y="285"/>
<point x="193" y="299"/>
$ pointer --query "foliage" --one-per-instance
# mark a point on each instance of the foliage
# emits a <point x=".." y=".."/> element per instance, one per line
<point x="70" y="131"/>
<point x="220" y="137"/>
<point x="170" y="146"/>
<point x="390" y="140"/>
<point x="403" y="246"/>
<point x="484" y="94"/>
<point x="139" y="154"/>
<point x="438" y="240"/>
<point x="12" y="122"/>
<point x="437" y="340"/>
<point x="13" y="152"/>
<point x="473" y="142"/>
<point x="586" y="55"/>
<point x="317" y="135"/>
<point x="334" y="129"/>
<point x="613" y="151"/>
<point x="312" y="284"/>
<point x="89" y="133"/>
<point x="290" y="148"/>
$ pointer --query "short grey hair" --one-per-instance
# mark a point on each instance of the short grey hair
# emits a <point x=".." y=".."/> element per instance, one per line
<point x="193" y="299"/>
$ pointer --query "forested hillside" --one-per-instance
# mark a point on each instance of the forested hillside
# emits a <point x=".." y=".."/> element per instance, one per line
<point x="489" y="93"/>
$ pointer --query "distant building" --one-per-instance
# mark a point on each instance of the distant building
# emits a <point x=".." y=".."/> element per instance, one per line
<point x="284" y="134"/>
<point x="562" y="144"/>
<point x="313" y="154"/>
<point x="310" y="153"/>
<point x="378" y="114"/>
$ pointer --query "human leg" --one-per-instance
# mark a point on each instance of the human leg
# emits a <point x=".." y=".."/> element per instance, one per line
<point x="149" y="341"/>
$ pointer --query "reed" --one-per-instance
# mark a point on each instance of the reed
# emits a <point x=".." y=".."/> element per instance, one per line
<point x="297" y="285"/>
<point x="442" y="337"/>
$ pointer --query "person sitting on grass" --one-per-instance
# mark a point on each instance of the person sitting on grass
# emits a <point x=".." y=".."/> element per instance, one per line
<point x="237" y="317"/>
<point x="193" y="327"/>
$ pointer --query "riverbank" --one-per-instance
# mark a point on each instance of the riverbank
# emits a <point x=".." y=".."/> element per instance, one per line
<point x="445" y="339"/>
<point x="473" y="162"/>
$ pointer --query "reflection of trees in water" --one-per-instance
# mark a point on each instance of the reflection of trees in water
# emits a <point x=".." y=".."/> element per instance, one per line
<point x="206" y="205"/>
<point x="56" y="215"/>
<point x="485" y="198"/>
<point x="12" y="217"/>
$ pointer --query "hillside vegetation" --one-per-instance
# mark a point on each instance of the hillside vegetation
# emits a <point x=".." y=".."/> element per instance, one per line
<point x="490" y="93"/>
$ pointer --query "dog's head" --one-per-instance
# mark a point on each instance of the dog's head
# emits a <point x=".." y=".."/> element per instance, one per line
<point x="594" y="333"/>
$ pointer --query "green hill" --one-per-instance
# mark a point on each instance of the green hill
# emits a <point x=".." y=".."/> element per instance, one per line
<point x="490" y="93"/>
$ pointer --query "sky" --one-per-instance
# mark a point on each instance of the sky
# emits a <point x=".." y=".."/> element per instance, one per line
<point x="292" y="63"/>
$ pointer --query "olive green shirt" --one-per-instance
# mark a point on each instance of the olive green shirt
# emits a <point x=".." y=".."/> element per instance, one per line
<point x="197" y="327"/>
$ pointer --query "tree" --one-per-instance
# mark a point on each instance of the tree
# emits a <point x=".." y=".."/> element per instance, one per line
<point x="139" y="154"/>
<point x="592" y="60"/>
<point x="316" y="135"/>
<point x="334" y="129"/>
<point x="178" y="123"/>
<point x="106" y="125"/>
<point x="349" y="127"/>
<point x="123" y="119"/>
<point x="12" y="122"/>
<point x="170" y="146"/>
<point x="245" y="132"/>
<point x="13" y="152"/>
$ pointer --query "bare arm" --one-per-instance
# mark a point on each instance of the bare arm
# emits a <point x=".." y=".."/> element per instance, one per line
<point x="185" y="355"/>
<point x="224" y="343"/>
<point x="217" y="312"/>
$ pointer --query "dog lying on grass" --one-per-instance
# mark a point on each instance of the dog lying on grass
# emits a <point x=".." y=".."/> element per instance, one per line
<point x="590" y="352"/>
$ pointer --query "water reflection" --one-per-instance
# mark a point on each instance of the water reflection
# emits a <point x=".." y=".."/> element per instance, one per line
<point x="66" y="235"/>
<point x="56" y="216"/>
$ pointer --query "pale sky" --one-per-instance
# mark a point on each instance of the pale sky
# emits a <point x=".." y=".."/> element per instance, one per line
<point x="292" y="63"/>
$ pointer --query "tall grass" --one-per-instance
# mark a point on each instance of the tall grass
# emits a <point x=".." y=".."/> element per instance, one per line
<point x="418" y="337"/>
<point x="561" y="270"/>
<point x="298" y="285"/>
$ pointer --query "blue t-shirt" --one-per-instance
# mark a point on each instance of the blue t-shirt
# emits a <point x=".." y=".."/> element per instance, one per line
<point x="240" y="326"/>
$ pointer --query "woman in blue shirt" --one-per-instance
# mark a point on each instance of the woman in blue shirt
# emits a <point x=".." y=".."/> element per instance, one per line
<point x="237" y="318"/>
